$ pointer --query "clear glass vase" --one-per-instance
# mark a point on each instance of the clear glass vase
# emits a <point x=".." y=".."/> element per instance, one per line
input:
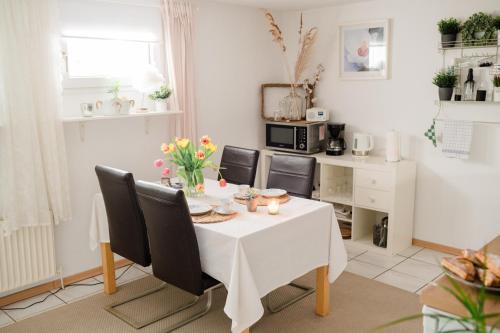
<point x="295" y="105"/>
<point x="193" y="183"/>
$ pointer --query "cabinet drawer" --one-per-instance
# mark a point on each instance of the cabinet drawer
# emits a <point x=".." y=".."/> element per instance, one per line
<point x="378" y="180"/>
<point x="372" y="198"/>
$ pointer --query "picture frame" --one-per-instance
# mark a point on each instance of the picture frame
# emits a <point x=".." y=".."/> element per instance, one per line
<point x="272" y="93"/>
<point x="364" y="49"/>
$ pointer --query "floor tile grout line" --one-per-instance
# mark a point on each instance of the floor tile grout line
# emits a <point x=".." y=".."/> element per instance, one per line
<point x="391" y="268"/>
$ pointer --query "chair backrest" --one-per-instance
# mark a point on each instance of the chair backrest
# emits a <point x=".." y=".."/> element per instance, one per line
<point x="174" y="247"/>
<point x="295" y="174"/>
<point x="239" y="165"/>
<point x="127" y="229"/>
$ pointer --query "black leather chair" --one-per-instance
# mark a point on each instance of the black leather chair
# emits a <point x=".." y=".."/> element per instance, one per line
<point x="174" y="247"/>
<point x="127" y="228"/>
<point x="239" y="165"/>
<point x="295" y="174"/>
<point x="292" y="173"/>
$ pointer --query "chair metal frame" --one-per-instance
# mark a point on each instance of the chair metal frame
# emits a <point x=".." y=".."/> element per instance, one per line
<point x="307" y="291"/>
<point x="138" y="325"/>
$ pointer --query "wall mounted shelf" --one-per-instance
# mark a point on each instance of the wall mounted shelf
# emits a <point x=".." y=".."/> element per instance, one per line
<point x="146" y="116"/>
<point x="487" y="113"/>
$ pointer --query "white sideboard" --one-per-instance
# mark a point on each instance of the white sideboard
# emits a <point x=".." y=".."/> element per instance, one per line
<point x="373" y="188"/>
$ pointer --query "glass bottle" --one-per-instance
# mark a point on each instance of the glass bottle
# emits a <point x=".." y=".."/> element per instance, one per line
<point x="469" y="86"/>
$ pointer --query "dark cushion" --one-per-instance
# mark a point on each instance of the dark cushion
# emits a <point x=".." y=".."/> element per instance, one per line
<point x="295" y="174"/>
<point x="174" y="247"/>
<point x="239" y="165"/>
<point x="127" y="229"/>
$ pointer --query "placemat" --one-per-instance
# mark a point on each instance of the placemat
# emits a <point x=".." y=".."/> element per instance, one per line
<point x="213" y="217"/>
<point x="263" y="201"/>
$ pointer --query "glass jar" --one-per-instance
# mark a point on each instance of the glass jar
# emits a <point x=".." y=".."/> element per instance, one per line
<point x="295" y="105"/>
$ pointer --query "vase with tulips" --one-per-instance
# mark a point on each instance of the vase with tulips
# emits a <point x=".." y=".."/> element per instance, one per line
<point x="190" y="160"/>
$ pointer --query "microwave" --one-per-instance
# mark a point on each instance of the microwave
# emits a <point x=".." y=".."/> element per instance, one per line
<point x="297" y="137"/>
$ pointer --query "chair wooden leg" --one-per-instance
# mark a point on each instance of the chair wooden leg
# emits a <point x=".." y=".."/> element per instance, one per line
<point x="108" y="268"/>
<point x="322" y="292"/>
<point x="246" y="331"/>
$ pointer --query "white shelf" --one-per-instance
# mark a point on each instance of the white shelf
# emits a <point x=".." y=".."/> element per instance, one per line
<point x="343" y="219"/>
<point x="81" y="119"/>
<point x="338" y="199"/>
<point x="367" y="243"/>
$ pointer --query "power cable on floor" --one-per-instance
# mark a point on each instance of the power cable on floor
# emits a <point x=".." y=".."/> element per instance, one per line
<point x="76" y="284"/>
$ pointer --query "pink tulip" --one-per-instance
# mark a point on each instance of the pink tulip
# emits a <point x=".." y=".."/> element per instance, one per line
<point x="158" y="163"/>
<point x="165" y="172"/>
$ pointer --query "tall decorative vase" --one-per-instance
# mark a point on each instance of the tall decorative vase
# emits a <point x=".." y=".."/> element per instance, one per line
<point x="192" y="180"/>
<point x="295" y="105"/>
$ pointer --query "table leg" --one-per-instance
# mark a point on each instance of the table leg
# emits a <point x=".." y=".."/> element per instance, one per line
<point x="108" y="268"/>
<point x="322" y="292"/>
<point x="246" y="331"/>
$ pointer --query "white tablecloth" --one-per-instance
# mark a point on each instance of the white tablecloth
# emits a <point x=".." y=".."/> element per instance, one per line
<point x="256" y="253"/>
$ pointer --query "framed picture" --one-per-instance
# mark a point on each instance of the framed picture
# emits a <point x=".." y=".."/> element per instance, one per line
<point x="272" y="94"/>
<point x="364" y="50"/>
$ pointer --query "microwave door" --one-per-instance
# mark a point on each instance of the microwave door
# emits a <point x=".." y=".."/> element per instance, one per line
<point x="280" y="136"/>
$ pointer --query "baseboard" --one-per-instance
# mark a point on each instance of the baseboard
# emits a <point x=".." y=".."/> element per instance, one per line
<point x="437" y="247"/>
<point x="43" y="288"/>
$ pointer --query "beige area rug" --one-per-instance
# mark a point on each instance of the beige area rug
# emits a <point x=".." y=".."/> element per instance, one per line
<point x="358" y="305"/>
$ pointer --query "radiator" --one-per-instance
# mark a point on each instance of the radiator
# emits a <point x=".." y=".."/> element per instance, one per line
<point x="27" y="256"/>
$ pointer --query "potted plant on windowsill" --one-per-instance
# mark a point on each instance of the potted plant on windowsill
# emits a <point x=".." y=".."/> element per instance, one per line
<point x="446" y="80"/>
<point x="160" y="98"/>
<point x="449" y="28"/>
<point x="496" y="90"/>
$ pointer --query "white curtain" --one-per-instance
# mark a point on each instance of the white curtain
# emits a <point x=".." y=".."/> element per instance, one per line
<point x="178" y="29"/>
<point x="34" y="181"/>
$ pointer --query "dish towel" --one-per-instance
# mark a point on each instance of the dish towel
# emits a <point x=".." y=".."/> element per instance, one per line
<point x="457" y="138"/>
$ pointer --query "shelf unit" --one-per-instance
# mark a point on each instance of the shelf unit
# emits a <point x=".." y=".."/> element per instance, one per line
<point x="145" y="115"/>
<point x="372" y="188"/>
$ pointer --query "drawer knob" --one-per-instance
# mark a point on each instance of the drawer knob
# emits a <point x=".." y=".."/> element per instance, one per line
<point x="374" y="181"/>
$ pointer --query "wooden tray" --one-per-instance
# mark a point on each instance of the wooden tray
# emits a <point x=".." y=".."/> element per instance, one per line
<point x="212" y="217"/>
<point x="263" y="201"/>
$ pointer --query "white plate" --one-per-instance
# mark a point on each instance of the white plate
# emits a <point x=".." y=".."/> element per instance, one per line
<point x="220" y="210"/>
<point x="272" y="193"/>
<point x="197" y="208"/>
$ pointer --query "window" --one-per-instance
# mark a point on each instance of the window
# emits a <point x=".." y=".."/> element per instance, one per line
<point x="95" y="62"/>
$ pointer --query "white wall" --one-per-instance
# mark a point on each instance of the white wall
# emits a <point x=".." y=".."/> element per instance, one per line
<point x="456" y="201"/>
<point x="233" y="58"/>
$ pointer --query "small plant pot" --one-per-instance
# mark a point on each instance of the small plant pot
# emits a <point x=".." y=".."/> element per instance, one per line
<point x="252" y="205"/>
<point x="496" y="94"/>
<point x="445" y="94"/>
<point x="479" y="34"/>
<point x="161" y="106"/>
<point x="448" y="40"/>
<point x="481" y="95"/>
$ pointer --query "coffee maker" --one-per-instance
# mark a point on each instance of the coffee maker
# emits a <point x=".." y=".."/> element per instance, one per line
<point x="336" y="143"/>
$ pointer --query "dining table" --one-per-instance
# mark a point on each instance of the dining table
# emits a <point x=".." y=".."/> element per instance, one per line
<point x="253" y="253"/>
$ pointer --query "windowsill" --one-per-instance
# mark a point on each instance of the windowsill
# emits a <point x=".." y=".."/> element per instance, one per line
<point x="82" y="119"/>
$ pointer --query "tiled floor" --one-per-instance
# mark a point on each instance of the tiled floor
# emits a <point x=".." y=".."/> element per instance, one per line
<point x="411" y="270"/>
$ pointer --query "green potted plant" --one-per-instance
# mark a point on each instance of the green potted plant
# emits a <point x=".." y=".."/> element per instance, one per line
<point x="116" y="105"/>
<point x="449" y="28"/>
<point x="474" y="322"/>
<point x="496" y="22"/>
<point x="496" y="91"/>
<point x="251" y="197"/>
<point x="160" y="97"/>
<point x="446" y="80"/>
<point x="479" y="29"/>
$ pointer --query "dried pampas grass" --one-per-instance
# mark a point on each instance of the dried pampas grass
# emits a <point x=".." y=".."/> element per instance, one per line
<point x="305" y="53"/>
<point x="275" y="31"/>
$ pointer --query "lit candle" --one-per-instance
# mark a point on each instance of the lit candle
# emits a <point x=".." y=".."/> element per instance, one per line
<point x="273" y="207"/>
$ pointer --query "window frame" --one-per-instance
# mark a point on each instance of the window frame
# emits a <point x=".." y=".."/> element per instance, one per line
<point x="155" y="59"/>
